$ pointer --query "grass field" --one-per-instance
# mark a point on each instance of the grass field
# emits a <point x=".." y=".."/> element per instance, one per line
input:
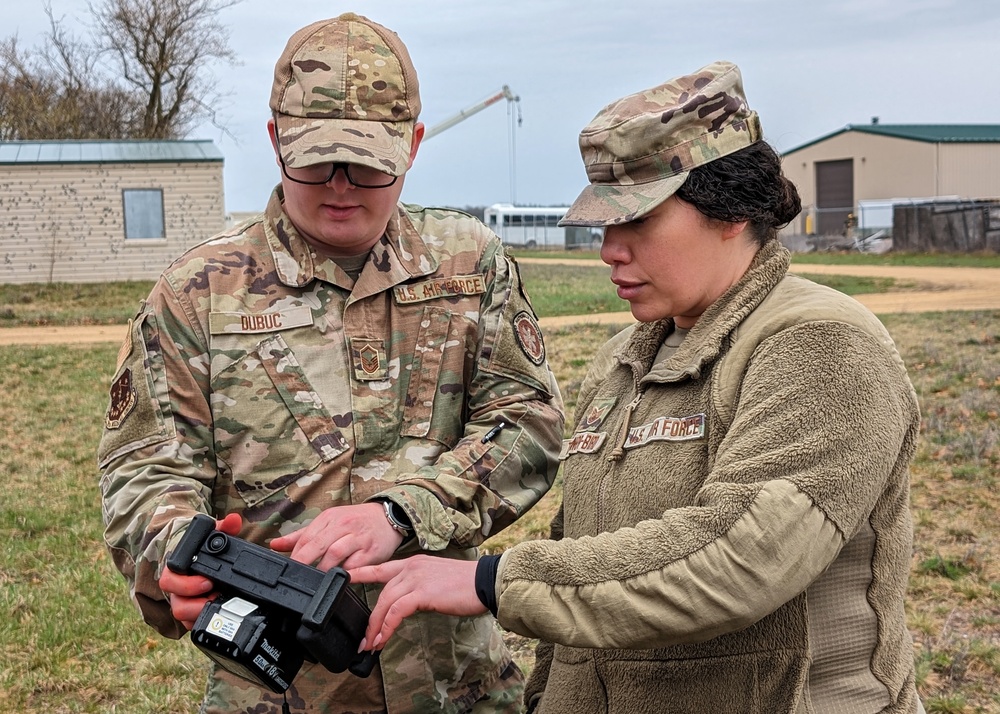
<point x="940" y="260"/>
<point x="555" y="290"/>
<point x="72" y="641"/>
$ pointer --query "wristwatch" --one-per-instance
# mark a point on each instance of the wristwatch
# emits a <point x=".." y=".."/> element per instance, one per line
<point x="397" y="518"/>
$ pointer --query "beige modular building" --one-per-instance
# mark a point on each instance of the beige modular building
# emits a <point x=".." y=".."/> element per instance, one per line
<point x="90" y="211"/>
<point x="859" y="173"/>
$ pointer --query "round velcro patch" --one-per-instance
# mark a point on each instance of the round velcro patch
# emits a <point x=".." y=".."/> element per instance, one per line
<point x="529" y="337"/>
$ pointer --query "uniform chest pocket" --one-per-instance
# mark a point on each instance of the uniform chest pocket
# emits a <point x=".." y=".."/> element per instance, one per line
<point x="435" y="397"/>
<point x="270" y="425"/>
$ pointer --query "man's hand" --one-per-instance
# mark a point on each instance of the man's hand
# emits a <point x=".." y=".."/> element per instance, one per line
<point x="417" y="584"/>
<point x="189" y="593"/>
<point x="348" y="536"/>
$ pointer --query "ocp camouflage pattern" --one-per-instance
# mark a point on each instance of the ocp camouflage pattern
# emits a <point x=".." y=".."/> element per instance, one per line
<point x="250" y="397"/>
<point x="345" y="90"/>
<point x="637" y="150"/>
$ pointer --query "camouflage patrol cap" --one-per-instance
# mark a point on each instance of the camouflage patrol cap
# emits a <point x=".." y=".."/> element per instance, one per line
<point x="345" y="90"/>
<point x="639" y="149"/>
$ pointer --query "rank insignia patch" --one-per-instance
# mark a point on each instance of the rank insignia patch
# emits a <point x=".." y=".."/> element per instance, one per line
<point x="596" y="414"/>
<point x="529" y="337"/>
<point x="370" y="363"/>
<point x="123" y="400"/>
<point x="370" y="360"/>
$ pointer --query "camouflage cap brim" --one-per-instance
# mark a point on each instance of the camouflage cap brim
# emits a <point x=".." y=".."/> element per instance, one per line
<point x="639" y="149"/>
<point x="382" y="145"/>
<point x="611" y="204"/>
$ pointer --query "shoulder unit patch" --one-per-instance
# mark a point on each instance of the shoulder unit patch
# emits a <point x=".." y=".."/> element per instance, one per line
<point x="123" y="400"/>
<point x="529" y="337"/>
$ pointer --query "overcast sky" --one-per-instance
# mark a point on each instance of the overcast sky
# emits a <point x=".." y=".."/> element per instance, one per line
<point x="810" y="67"/>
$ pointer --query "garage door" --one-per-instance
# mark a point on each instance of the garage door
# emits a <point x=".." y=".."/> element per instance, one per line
<point x="834" y="195"/>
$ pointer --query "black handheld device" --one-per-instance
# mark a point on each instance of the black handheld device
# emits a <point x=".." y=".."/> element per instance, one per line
<point x="273" y="612"/>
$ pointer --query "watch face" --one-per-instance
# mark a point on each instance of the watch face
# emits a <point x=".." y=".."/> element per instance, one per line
<point x="397" y="517"/>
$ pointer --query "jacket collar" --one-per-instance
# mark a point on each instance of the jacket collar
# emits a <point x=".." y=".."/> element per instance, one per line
<point x="708" y="336"/>
<point x="399" y="255"/>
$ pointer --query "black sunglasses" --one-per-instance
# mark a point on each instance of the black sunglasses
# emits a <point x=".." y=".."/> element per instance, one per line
<point x="357" y="175"/>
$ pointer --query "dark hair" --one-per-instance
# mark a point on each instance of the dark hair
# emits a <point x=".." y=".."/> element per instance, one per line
<point x="747" y="185"/>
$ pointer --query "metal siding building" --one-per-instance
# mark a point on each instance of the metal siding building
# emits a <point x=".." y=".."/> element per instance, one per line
<point x="91" y="211"/>
<point x="892" y="162"/>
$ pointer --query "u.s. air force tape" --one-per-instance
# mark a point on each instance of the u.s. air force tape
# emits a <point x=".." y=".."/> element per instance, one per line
<point x="440" y="287"/>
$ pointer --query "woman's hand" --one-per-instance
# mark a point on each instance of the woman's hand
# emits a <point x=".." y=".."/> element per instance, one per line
<point x="420" y="583"/>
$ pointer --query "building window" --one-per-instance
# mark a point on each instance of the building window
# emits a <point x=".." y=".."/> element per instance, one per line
<point x="143" y="213"/>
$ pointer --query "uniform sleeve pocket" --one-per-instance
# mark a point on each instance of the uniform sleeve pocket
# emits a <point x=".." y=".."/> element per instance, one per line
<point x="138" y="411"/>
<point x="435" y="396"/>
<point x="270" y="425"/>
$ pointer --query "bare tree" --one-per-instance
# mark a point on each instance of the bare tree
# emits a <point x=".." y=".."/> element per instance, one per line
<point x="144" y="75"/>
<point x="162" y="50"/>
<point x="56" y="94"/>
<point x="22" y="93"/>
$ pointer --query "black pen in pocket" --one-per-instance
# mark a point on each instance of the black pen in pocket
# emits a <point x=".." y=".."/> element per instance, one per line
<point x="493" y="432"/>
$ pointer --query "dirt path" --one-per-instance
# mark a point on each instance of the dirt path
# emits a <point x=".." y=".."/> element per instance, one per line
<point x="76" y="335"/>
<point x="941" y="289"/>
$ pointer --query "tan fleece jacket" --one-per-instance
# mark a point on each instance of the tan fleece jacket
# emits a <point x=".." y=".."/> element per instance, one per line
<point x="735" y="529"/>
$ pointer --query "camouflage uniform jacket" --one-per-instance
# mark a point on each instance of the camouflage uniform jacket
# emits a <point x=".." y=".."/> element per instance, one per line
<point x="259" y="379"/>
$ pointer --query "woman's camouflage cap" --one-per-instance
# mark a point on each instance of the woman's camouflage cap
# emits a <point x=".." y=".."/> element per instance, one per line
<point x="638" y="150"/>
<point x="345" y="89"/>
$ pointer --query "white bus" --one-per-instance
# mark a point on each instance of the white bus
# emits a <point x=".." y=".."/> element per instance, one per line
<point x="538" y="227"/>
